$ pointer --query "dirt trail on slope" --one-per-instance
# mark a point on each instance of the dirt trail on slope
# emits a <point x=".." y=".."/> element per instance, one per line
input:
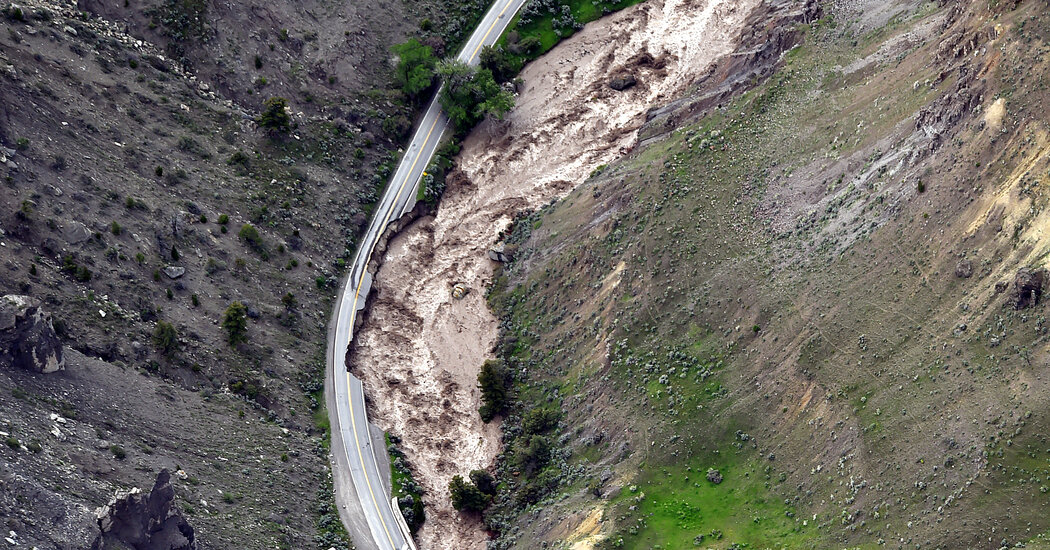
<point x="419" y="350"/>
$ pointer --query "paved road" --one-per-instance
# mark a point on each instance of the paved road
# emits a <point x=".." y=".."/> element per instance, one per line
<point x="348" y="416"/>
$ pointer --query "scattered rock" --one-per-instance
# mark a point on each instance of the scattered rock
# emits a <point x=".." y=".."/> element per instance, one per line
<point x="1001" y="287"/>
<point x="174" y="271"/>
<point x="75" y="232"/>
<point x="714" y="476"/>
<point x="498" y="253"/>
<point x="27" y="336"/>
<point x="1028" y="287"/>
<point x="622" y="82"/>
<point x="144" y="520"/>
<point x="964" y="270"/>
<point x="459" y="290"/>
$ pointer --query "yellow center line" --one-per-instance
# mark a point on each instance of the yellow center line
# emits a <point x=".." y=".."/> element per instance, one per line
<point x="360" y="283"/>
<point x="483" y="38"/>
<point x="357" y="442"/>
<point x="353" y="315"/>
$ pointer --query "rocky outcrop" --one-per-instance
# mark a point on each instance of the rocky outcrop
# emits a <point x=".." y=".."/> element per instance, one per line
<point x="27" y="336"/>
<point x="964" y="270"/>
<point x="144" y="521"/>
<point x="1028" y="287"/>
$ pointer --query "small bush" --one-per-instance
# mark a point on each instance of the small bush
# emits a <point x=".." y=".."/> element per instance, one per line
<point x="223" y="219"/>
<point x="274" y="117"/>
<point x="251" y="235"/>
<point x="235" y="323"/>
<point x="13" y="442"/>
<point x="118" y="452"/>
<point x="165" y="337"/>
<point x="115" y="228"/>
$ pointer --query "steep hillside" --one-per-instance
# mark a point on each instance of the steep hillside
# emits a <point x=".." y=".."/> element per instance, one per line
<point x="805" y="314"/>
<point x="144" y="193"/>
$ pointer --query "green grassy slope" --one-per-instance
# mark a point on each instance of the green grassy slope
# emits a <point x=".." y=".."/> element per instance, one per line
<point x="771" y="291"/>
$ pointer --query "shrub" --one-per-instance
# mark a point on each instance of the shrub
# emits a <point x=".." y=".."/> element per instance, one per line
<point x="235" y="322"/>
<point x="22" y="144"/>
<point x="274" y="117"/>
<point x="13" y="442"/>
<point x="484" y="481"/>
<point x="118" y="452"/>
<point x="466" y="497"/>
<point x="115" y="228"/>
<point x="165" y="337"/>
<point x="223" y="219"/>
<point x="238" y="158"/>
<point x="251" y="236"/>
<point x="493" y="382"/>
<point x="258" y="62"/>
<point x="540" y="420"/>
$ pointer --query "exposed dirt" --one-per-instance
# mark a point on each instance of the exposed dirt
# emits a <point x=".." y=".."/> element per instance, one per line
<point x="419" y="350"/>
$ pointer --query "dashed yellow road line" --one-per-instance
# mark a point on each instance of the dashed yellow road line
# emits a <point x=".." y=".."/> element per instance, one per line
<point x="483" y="38"/>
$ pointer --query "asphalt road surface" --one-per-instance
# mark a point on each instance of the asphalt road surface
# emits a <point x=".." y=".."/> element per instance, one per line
<point x="355" y="451"/>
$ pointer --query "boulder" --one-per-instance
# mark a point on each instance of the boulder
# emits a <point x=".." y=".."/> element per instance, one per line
<point x="174" y="271"/>
<point x="144" y="521"/>
<point x="714" y="476"/>
<point x="27" y="336"/>
<point x="964" y="270"/>
<point x="498" y="253"/>
<point x="75" y="232"/>
<point x="622" y="82"/>
<point x="1028" y="287"/>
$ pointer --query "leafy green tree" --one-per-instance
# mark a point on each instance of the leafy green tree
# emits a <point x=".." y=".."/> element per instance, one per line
<point x="166" y="338"/>
<point x="484" y="482"/>
<point x="495" y="59"/>
<point x="466" y="497"/>
<point x="235" y="322"/>
<point x="274" y="117"/>
<point x="493" y="381"/>
<point x="415" y="67"/>
<point x="470" y="94"/>
<point x="532" y="453"/>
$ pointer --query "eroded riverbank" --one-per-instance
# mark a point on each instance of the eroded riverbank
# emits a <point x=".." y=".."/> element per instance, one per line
<point x="419" y="350"/>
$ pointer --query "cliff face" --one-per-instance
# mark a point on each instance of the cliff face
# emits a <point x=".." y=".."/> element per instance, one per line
<point x="822" y="289"/>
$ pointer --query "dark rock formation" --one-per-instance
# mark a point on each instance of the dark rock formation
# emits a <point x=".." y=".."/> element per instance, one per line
<point x="622" y="82"/>
<point x="27" y="336"/>
<point x="1028" y="287"/>
<point x="144" y="521"/>
<point x="964" y="270"/>
<point x="714" y="476"/>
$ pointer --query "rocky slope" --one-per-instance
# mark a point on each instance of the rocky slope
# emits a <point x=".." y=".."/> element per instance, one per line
<point x="806" y="315"/>
<point x="140" y="200"/>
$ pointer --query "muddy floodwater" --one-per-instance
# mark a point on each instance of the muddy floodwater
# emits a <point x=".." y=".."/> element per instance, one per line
<point x="419" y="350"/>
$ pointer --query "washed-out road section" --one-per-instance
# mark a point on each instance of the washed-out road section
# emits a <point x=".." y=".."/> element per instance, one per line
<point x="356" y="453"/>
